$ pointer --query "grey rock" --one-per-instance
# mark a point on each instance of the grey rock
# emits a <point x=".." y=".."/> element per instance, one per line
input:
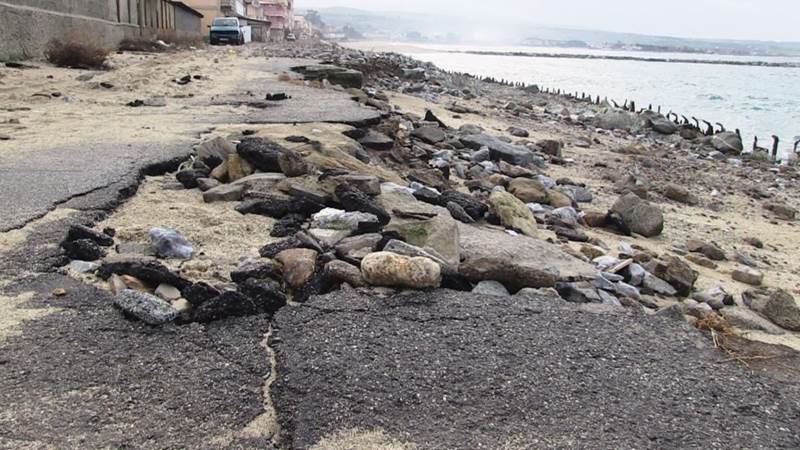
<point x="207" y="183"/>
<point x="431" y="135"/>
<point x="748" y="275"/>
<point x="639" y="216"/>
<point x="170" y="243"/>
<point x="145" y="307"/>
<point x="715" y="297"/>
<point x="652" y="283"/>
<point x="728" y="142"/>
<point x="776" y="305"/>
<point x="224" y="193"/>
<point x="213" y="152"/>
<point x="490" y="287"/>
<point x="499" y="150"/>
<point x="393" y="270"/>
<point x="377" y="141"/>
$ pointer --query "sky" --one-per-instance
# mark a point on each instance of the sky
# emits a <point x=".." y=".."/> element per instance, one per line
<point x="777" y="20"/>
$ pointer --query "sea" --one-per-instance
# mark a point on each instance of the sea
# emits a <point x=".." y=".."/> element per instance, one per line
<point x="760" y="101"/>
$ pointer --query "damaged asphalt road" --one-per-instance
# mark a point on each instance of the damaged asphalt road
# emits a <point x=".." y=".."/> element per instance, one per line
<point x="454" y="370"/>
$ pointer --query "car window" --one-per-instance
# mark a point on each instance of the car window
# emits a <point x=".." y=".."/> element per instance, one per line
<point x="226" y="23"/>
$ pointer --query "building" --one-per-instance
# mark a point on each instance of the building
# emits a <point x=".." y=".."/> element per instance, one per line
<point x="250" y="13"/>
<point x="302" y="28"/>
<point x="27" y="26"/>
<point x="280" y="14"/>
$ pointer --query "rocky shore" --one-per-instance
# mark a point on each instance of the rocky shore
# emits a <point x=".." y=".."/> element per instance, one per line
<point x="448" y="192"/>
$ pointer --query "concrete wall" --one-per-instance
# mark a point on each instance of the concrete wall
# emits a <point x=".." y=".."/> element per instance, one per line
<point x="26" y="28"/>
<point x="188" y="25"/>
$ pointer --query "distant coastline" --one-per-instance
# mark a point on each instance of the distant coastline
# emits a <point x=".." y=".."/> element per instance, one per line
<point x="788" y="65"/>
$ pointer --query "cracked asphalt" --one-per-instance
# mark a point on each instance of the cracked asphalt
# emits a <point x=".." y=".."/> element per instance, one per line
<point x="450" y="370"/>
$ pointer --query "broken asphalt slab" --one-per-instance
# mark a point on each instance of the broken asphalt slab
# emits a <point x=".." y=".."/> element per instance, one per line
<point x="33" y="182"/>
<point x="84" y="377"/>
<point x="454" y="370"/>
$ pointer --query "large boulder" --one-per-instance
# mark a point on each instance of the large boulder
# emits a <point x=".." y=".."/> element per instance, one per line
<point x="528" y="190"/>
<point x="439" y="233"/>
<point x="663" y="125"/>
<point x="214" y="151"/>
<point x="777" y="305"/>
<point x="513" y="213"/>
<point x="617" y="120"/>
<point x="516" y="261"/>
<point x="145" y="307"/>
<point x="728" y="142"/>
<point x="391" y="269"/>
<point x="639" y="216"/>
<point x="499" y="150"/>
<point x="677" y="273"/>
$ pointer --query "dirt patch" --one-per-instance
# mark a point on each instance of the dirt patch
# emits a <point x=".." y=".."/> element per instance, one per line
<point x="357" y="439"/>
<point x="13" y="313"/>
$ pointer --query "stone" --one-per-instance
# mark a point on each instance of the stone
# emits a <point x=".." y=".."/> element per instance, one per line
<point x="213" y="152"/>
<point x="260" y="182"/>
<point x="677" y="273"/>
<point x="83" y="249"/>
<point x="145" y="307"/>
<point x="776" y="305"/>
<point x="513" y="213"/>
<point x="288" y="225"/>
<point x="708" y="249"/>
<point x="701" y="261"/>
<point x="254" y="268"/>
<point x="754" y="242"/>
<point x="342" y="272"/>
<point x="748" y="275"/>
<point x="406" y="249"/>
<point x="377" y="141"/>
<point x="595" y="219"/>
<point x="292" y="164"/>
<point x="581" y="292"/>
<point x="188" y="178"/>
<point x="663" y="125"/>
<point x="518" y="132"/>
<point x="77" y="232"/>
<point x="716" y="297"/>
<point x="639" y="216"/>
<point x="148" y="270"/>
<point x="356" y="247"/>
<point x="679" y="194"/>
<point x="78" y="266"/>
<point x="458" y="213"/>
<point x="367" y="184"/>
<point x="696" y="309"/>
<point x="168" y="292"/>
<point x="337" y="219"/>
<point x="261" y="153"/>
<point x="727" y="142"/>
<point x="220" y="173"/>
<point x="558" y="199"/>
<point x="744" y="259"/>
<point x="430" y="135"/>
<point x="781" y="211"/>
<point x="746" y="319"/>
<point x="224" y="193"/>
<point x="516" y="261"/>
<point x="393" y="270"/>
<point x="238" y="167"/>
<point x="528" y="190"/>
<point x="199" y="293"/>
<point x="207" y="183"/>
<point x="265" y="295"/>
<point x="299" y="265"/>
<point x="474" y="207"/>
<point x="170" y="243"/>
<point x="491" y="287"/>
<point x="278" y="206"/>
<point x="617" y="120"/>
<point x="354" y="200"/>
<point x="132" y="283"/>
<point x="499" y="150"/>
<point x="652" y="283"/>
<point x="551" y="147"/>
<point x="440" y="233"/>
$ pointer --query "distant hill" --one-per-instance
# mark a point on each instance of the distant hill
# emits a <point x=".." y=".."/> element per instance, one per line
<point x="433" y="28"/>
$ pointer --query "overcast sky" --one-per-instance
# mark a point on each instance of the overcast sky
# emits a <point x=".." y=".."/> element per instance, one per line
<point x="729" y="19"/>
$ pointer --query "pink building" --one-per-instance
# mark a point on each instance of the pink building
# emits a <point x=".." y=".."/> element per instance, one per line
<point x="280" y="14"/>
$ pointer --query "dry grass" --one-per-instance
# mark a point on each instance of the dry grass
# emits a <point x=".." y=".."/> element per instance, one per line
<point x="77" y="51"/>
<point x="138" y="44"/>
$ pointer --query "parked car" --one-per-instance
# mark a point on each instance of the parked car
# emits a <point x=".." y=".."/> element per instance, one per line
<point x="226" y="30"/>
<point x="291" y="37"/>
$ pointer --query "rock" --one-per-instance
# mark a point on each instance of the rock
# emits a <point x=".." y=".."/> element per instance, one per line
<point x="516" y="261"/>
<point x="727" y="142"/>
<point x="367" y="184"/>
<point x="354" y="200"/>
<point x="145" y="307"/>
<point x="518" y="132"/>
<point x="78" y="266"/>
<point x="708" y="249"/>
<point x="440" y="233"/>
<point x="129" y="282"/>
<point x="701" y="261"/>
<point x="776" y="305"/>
<point x="168" y="292"/>
<point x="595" y="219"/>
<point x="470" y="129"/>
<point x="147" y="270"/>
<point x="617" y="120"/>
<point x="220" y="173"/>
<point x="499" y="150"/>
<point x="260" y="182"/>
<point x="513" y="213"/>
<point x="490" y="287"/>
<point x="342" y="272"/>
<point x="696" y="309"/>
<point x="83" y="249"/>
<point x="744" y="259"/>
<point x="651" y="283"/>
<point x="663" y="125"/>
<point x="265" y="295"/>
<point x="558" y="199"/>
<point x="677" y="273"/>
<point x="582" y="292"/>
<point x="77" y="232"/>
<point x="754" y="242"/>
<point x="253" y="268"/>
<point x="169" y="243"/>
<point x="238" y="167"/>
<point x="213" y="152"/>
<point x="292" y="164"/>
<point x="207" y="183"/>
<point x="393" y="270"/>
<point x="356" y="247"/>
<point x="577" y="193"/>
<point x="299" y="265"/>
<point x="188" y="178"/>
<point x="551" y="147"/>
<point x="431" y="135"/>
<point x="417" y="73"/>
<point x="781" y="210"/>
<point x="336" y="219"/>
<point x="528" y="190"/>
<point x="199" y="293"/>
<point x="458" y="213"/>
<point x="262" y="153"/>
<point x="639" y="216"/>
<point x="679" y="194"/>
<point x="474" y="207"/>
<point x="224" y="193"/>
<point x="406" y="249"/>
<point x="288" y="225"/>
<point x="278" y="206"/>
<point x="377" y="141"/>
<point x="748" y="275"/>
<point x="715" y="297"/>
<point x="746" y="319"/>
